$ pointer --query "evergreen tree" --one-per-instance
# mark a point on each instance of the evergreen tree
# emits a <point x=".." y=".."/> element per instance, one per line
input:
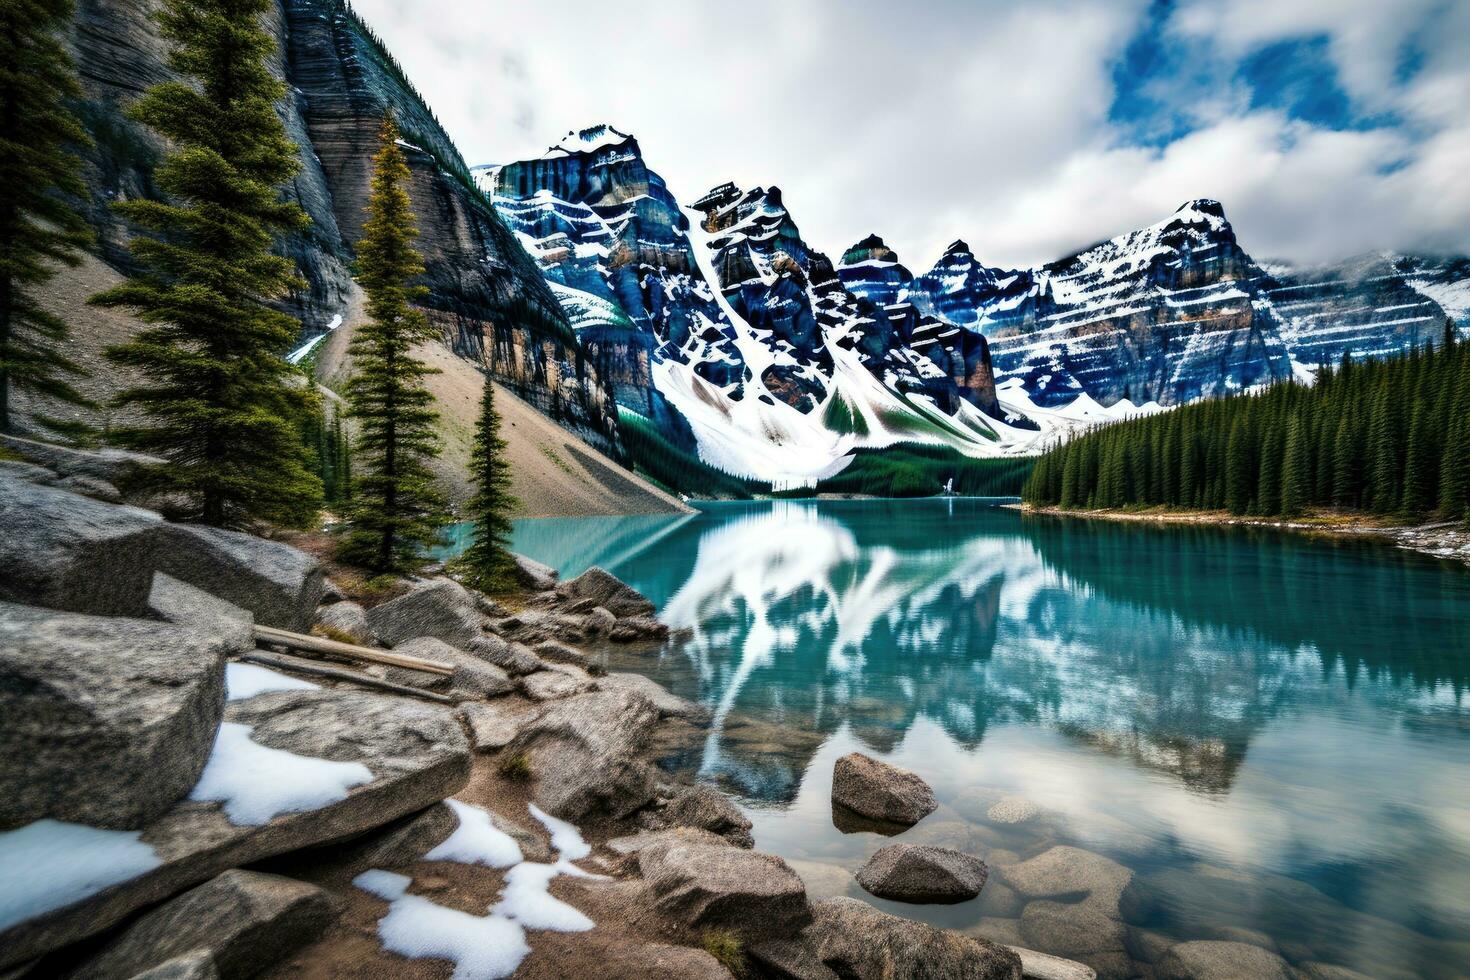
<point x="488" y="562"/>
<point x="1421" y="477"/>
<point x="219" y="400"/>
<point x="1296" y="469"/>
<point x="1268" y="489"/>
<point x="1347" y="473"/>
<point x="396" y="510"/>
<point x="1239" y="472"/>
<point x="39" y="226"/>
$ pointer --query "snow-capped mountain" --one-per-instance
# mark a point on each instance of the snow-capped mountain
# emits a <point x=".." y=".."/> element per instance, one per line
<point x="1178" y="311"/>
<point x="742" y="342"/>
<point x="729" y="332"/>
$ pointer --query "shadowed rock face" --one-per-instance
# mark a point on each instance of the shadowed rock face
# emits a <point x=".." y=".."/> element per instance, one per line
<point x="485" y="293"/>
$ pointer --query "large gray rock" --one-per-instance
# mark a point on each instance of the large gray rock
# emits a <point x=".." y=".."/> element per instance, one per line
<point x="103" y="721"/>
<point x="245" y="919"/>
<point x="491" y="726"/>
<point x="110" y="465"/>
<point x="69" y="552"/>
<point x="416" y="754"/>
<point x="514" y="658"/>
<point x="861" y="943"/>
<point x="184" y="605"/>
<point x="279" y="584"/>
<point x="1210" y="960"/>
<point x="669" y="705"/>
<point x="472" y="678"/>
<point x="706" y="808"/>
<point x="556" y="652"/>
<point x="533" y="574"/>
<point x="879" y="791"/>
<point x="712" y="886"/>
<point x="441" y="608"/>
<point x="606" y="590"/>
<point x="916" y="873"/>
<point x="558" y="682"/>
<point x="349" y="619"/>
<point x="584" y="754"/>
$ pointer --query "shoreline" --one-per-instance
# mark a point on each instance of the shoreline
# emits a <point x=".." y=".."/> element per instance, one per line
<point x="1448" y="540"/>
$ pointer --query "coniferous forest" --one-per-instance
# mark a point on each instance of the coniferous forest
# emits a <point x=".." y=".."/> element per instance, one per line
<point x="1387" y="437"/>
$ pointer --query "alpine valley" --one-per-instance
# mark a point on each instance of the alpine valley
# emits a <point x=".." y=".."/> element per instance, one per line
<point x="581" y="283"/>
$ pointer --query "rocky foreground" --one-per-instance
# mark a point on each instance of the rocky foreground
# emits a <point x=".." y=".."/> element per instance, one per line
<point x="171" y="807"/>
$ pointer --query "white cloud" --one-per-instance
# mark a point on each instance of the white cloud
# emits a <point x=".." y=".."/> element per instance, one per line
<point x="985" y="121"/>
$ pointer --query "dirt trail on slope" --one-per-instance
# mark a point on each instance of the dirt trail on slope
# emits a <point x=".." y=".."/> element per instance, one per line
<point x="553" y="473"/>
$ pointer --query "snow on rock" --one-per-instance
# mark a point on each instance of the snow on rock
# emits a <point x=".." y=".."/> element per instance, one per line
<point x="482" y="947"/>
<point x="477" y="840"/>
<point x="247" y="680"/>
<point x="49" y="864"/>
<point x="256" y="783"/>
<point x="299" y="354"/>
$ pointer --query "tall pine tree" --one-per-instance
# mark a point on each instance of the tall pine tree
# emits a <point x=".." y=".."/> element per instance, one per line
<point x="218" y="397"/>
<point x="488" y="563"/>
<point x="39" y="226"/>
<point x="396" y="510"/>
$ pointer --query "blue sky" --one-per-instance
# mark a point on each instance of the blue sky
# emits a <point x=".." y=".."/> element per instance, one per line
<point x="1327" y="127"/>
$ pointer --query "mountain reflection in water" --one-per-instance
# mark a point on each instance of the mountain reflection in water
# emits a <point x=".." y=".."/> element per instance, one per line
<point x="1172" y="695"/>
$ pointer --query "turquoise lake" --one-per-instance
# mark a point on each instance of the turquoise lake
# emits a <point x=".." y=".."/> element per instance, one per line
<point x="1257" y="736"/>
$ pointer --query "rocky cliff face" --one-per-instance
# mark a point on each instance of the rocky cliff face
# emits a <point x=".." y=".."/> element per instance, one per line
<point x="485" y="293"/>
<point x="1179" y="311"/>
<point x="732" y="334"/>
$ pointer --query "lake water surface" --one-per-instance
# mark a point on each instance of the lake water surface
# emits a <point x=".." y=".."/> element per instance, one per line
<point x="1255" y="736"/>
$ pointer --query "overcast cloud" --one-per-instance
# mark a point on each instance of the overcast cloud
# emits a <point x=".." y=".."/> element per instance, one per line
<point x="1327" y="127"/>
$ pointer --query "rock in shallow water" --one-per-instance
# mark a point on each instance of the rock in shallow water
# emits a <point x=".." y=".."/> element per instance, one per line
<point x="862" y="943"/>
<point x="915" y="873"/>
<point x="879" y="791"/>
<point x="1210" y="960"/>
<point x="103" y="721"/>
<point x="246" y="920"/>
<point x="606" y="590"/>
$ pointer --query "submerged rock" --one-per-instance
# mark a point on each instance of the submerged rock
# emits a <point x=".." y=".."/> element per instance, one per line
<point x="862" y="943"/>
<point x="915" y="873"/>
<point x="879" y="791"/>
<point x="711" y="886"/>
<point x="584" y="754"/>
<point x="103" y="721"/>
<point x="415" y="755"/>
<point x="245" y="920"/>
<point x="441" y="608"/>
<point x="1066" y="872"/>
<point x="1209" y="960"/>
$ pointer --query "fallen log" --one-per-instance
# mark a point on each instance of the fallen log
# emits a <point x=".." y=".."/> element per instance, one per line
<point x="267" y="659"/>
<point x="318" y="644"/>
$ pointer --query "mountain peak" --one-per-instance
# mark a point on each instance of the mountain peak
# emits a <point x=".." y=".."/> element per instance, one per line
<point x="870" y="249"/>
<point x="1203" y="205"/>
<point x="588" y="140"/>
<point x="957" y="246"/>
